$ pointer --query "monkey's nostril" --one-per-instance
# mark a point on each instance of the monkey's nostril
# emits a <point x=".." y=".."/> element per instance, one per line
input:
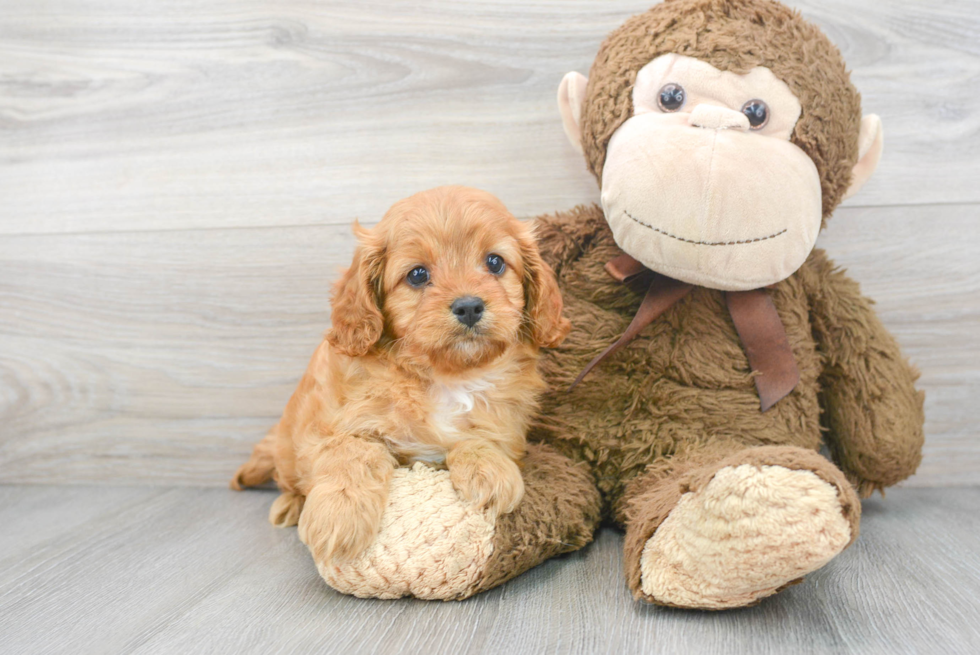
<point x="468" y="310"/>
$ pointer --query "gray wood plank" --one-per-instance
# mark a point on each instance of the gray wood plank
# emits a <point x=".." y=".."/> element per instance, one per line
<point x="200" y="571"/>
<point x="48" y="513"/>
<point x="117" y="116"/>
<point x="155" y="357"/>
<point x="161" y="357"/>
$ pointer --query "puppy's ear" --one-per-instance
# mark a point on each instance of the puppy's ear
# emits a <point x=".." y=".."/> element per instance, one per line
<point x="543" y="304"/>
<point x="356" y="307"/>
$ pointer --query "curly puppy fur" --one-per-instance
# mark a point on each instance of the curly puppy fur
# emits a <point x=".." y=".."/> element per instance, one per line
<point x="399" y="378"/>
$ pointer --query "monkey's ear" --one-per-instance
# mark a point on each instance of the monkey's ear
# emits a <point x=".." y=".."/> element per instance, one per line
<point x="869" y="153"/>
<point x="571" y="98"/>
<point x="356" y="311"/>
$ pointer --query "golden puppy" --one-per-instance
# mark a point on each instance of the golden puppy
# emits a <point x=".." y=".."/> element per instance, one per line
<point x="432" y="357"/>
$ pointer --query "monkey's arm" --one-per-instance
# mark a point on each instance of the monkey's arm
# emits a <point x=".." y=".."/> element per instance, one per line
<point x="872" y="409"/>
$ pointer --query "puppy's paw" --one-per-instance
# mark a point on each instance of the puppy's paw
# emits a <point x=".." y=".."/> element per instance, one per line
<point x="487" y="478"/>
<point x="286" y="509"/>
<point x="337" y="525"/>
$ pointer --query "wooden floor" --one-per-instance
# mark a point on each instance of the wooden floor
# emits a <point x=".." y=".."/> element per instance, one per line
<point x="178" y="570"/>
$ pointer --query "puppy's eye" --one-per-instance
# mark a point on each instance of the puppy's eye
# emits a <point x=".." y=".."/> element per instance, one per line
<point x="757" y="112"/>
<point x="418" y="276"/>
<point x="671" y="97"/>
<point x="495" y="264"/>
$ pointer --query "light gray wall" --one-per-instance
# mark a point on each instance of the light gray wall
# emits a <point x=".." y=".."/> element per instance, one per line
<point x="176" y="182"/>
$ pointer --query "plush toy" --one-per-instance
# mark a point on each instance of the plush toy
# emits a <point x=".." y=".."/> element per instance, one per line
<point x="713" y="349"/>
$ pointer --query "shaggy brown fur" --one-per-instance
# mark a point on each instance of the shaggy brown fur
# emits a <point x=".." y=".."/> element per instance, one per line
<point x="684" y="385"/>
<point x="678" y="403"/>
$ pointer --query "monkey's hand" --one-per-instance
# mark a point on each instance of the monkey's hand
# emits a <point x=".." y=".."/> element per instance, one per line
<point x="871" y="406"/>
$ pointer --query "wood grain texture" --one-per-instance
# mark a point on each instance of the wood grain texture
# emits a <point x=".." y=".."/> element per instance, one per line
<point x="137" y="570"/>
<point x="162" y="357"/>
<point x="117" y="115"/>
<point x="177" y="178"/>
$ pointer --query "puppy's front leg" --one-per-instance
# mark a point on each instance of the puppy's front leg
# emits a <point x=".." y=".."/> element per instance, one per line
<point x="485" y="475"/>
<point x="344" y="505"/>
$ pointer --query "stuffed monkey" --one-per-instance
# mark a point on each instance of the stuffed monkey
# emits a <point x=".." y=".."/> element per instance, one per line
<point x="713" y="349"/>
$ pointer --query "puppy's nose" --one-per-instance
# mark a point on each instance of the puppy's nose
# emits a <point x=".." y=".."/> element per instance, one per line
<point x="468" y="310"/>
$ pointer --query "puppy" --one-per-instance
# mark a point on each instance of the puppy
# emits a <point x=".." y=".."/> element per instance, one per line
<point x="432" y="357"/>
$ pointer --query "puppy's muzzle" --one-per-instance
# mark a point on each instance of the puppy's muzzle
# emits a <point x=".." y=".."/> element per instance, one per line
<point x="468" y="310"/>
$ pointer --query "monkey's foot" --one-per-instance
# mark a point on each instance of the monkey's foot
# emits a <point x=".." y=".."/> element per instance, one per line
<point x="434" y="545"/>
<point x="751" y="531"/>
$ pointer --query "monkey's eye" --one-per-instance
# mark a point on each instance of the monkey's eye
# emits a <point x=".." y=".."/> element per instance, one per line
<point x="757" y="112"/>
<point x="418" y="276"/>
<point x="671" y="97"/>
<point x="495" y="264"/>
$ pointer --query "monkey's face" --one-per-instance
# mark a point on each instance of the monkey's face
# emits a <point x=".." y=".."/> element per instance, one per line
<point x="702" y="182"/>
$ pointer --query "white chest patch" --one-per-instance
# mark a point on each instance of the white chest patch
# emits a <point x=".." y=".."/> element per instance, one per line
<point x="452" y="402"/>
<point x="451" y="405"/>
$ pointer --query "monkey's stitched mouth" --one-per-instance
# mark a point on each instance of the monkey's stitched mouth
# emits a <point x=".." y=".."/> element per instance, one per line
<point x="702" y="243"/>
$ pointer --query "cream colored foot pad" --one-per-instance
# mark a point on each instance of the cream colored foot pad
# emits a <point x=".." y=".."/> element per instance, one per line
<point x="750" y="531"/>
<point x="431" y="545"/>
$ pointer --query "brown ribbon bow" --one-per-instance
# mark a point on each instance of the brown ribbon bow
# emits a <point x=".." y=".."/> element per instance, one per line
<point x="753" y="313"/>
